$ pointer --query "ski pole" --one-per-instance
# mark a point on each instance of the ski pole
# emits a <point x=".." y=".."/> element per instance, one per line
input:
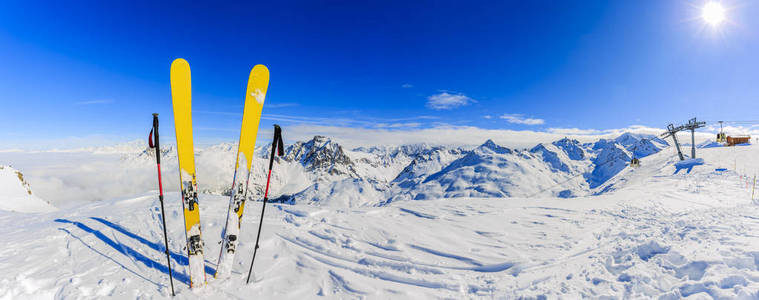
<point x="152" y="137"/>
<point x="276" y="148"/>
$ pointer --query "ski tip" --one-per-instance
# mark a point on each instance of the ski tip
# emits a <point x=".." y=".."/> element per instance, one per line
<point x="179" y="62"/>
<point x="260" y="69"/>
<point x="180" y="77"/>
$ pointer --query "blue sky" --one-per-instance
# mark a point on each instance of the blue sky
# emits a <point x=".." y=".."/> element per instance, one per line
<point x="75" y="74"/>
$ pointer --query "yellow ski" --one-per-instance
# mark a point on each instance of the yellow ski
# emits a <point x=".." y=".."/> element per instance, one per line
<point x="181" y="97"/>
<point x="258" y="82"/>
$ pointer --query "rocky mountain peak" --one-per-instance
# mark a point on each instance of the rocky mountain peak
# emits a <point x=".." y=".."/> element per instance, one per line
<point x="321" y="154"/>
<point x="571" y="147"/>
<point x="490" y="146"/>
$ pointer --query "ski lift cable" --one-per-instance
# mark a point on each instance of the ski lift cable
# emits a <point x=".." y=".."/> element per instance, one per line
<point x="734" y="122"/>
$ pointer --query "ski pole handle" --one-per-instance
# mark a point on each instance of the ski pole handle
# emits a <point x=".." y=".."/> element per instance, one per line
<point x="276" y="145"/>
<point x="155" y="138"/>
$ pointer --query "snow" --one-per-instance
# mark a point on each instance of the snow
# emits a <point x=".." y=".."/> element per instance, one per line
<point x="320" y="170"/>
<point x="349" y="192"/>
<point x="688" y="164"/>
<point x="646" y="232"/>
<point x="16" y="194"/>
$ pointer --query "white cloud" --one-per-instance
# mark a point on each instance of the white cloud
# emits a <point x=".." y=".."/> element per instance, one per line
<point x="606" y="132"/>
<point x="519" y="119"/>
<point x="216" y="129"/>
<point x="68" y="177"/>
<point x="445" y="100"/>
<point x="574" y="131"/>
<point x="44" y="143"/>
<point x="221" y="113"/>
<point x="488" y="117"/>
<point x="90" y="102"/>
<point x="399" y="125"/>
<point x="407" y="85"/>
<point x="280" y="105"/>
<point x="752" y="130"/>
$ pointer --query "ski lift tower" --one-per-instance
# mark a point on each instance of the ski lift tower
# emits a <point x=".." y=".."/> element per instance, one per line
<point x="692" y="126"/>
<point x="671" y="131"/>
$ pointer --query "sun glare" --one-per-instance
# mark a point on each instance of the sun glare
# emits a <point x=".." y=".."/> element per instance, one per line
<point x="713" y="13"/>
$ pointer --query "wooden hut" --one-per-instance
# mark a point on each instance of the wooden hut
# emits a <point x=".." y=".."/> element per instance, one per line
<point x="737" y="140"/>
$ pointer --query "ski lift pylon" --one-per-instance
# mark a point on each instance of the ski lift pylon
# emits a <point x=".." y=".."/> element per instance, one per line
<point x="721" y="136"/>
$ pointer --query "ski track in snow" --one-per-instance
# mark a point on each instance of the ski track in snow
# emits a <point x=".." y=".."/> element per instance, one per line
<point x="658" y="234"/>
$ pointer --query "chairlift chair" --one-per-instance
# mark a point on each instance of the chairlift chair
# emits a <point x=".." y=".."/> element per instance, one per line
<point x="721" y="137"/>
<point x="635" y="162"/>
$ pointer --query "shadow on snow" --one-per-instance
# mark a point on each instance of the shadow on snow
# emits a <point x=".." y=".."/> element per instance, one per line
<point x="108" y="257"/>
<point x="126" y="250"/>
<point x="130" y="252"/>
<point x="181" y="259"/>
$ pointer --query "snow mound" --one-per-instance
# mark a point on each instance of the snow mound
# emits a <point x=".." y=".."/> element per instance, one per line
<point x="709" y="144"/>
<point x="348" y="192"/>
<point x="688" y="164"/>
<point x="16" y="194"/>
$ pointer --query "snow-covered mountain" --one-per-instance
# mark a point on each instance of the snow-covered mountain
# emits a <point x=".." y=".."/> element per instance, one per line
<point x="562" y="168"/>
<point x="489" y="170"/>
<point x="323" y="172"/>
<point x="323" y="157"/>
<point x="16" y="194"/>
<point x="641" y="145"/>
<point x="320" y="171"/>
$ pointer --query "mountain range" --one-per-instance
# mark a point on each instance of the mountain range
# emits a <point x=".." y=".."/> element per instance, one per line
<point x="322" y="172"/>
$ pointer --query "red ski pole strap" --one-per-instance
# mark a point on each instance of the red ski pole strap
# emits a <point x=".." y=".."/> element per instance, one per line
<point x="150" y="139"/>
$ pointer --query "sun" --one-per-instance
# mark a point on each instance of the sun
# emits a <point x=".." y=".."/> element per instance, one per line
<point x="713" y="13"/>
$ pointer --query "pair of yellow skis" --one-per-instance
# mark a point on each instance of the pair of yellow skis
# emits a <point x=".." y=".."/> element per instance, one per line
<point x="258" y="83"/>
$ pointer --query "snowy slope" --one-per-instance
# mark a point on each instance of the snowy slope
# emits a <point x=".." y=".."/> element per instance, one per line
<point x="660" y="233"/>
<point x="16" y="194"/>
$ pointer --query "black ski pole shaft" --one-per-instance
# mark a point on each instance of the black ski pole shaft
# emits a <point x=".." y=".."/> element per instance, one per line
<point x="160" y="197"/>
<point x="276" y="148"/>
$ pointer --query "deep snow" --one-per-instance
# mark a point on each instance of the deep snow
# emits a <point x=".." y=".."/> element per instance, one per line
<point x="653" y="233"/>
